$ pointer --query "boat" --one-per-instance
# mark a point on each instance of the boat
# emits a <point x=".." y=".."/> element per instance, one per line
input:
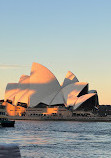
<point x="4" y="121"/>
<point x="7" y="123"/>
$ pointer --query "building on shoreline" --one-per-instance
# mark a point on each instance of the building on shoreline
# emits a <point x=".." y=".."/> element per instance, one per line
<point x="40" y="94"/>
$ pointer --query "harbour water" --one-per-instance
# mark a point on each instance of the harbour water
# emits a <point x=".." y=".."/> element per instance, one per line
<point x="60" y="139"/>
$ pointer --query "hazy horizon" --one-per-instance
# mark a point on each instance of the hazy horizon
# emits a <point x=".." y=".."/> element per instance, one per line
<point x="61" y="35"/>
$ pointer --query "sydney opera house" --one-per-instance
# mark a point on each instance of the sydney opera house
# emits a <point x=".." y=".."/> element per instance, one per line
<point x="41" y="95"/>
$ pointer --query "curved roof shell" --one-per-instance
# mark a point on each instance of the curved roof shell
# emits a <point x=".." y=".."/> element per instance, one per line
<point x="43" y="87"/>
<point x="74" y="88"/>
<point x="23" y="90"/>
<point x="11" y="90"/>
<point x="72" y="91"/>
<point x="82" y="99"/>
<point x="58" y="99"/>
<point x="42" y="82"/>
<point x="70" y="78"/>
<point x="48" y="99"/>
<point x="54" y="99"/>
<point x="71" y="99"/>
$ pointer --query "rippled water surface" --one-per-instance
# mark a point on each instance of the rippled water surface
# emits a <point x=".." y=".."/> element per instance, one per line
<point x="60" y="139"/>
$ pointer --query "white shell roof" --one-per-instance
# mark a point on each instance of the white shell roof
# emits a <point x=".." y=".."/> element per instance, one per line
<point x="54" y="98"/>
<point x="42" y="82"/>
<point x="58" y="99"/>
<point x="47" y="100"/>
<point x="71" y="99"/>
<point x="43" y="87"/>
<point x="23" y="90"/>
<point x="71" y="91"/>
<point x="11" y="91"/>
<point x="74" y="88"/>
<point x="82" y="99"/>
<point x="70" y="78"/>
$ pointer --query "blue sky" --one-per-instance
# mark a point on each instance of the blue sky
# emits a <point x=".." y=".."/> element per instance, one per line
<point x="62" y="35"/>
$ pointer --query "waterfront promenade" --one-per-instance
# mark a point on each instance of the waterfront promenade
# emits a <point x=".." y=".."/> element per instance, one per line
<point x="81" y="119"/>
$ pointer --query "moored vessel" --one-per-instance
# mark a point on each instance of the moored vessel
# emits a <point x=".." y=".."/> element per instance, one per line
<point x="4" y="121"/>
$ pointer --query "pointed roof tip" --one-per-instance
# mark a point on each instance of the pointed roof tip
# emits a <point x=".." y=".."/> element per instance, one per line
<point x="34" y="63"/>
<point x="70" y="75"/>
<point x="43" y="71"/>
<point x="23" y="77"/>
<point x="70" y="78"/>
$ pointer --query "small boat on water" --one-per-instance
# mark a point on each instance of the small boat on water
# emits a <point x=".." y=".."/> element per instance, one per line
<point x="7" y="123"/>
<point x="4" y="121"/>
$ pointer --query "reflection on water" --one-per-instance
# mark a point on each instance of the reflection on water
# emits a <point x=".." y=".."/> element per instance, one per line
<point x="60" y="139"/>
